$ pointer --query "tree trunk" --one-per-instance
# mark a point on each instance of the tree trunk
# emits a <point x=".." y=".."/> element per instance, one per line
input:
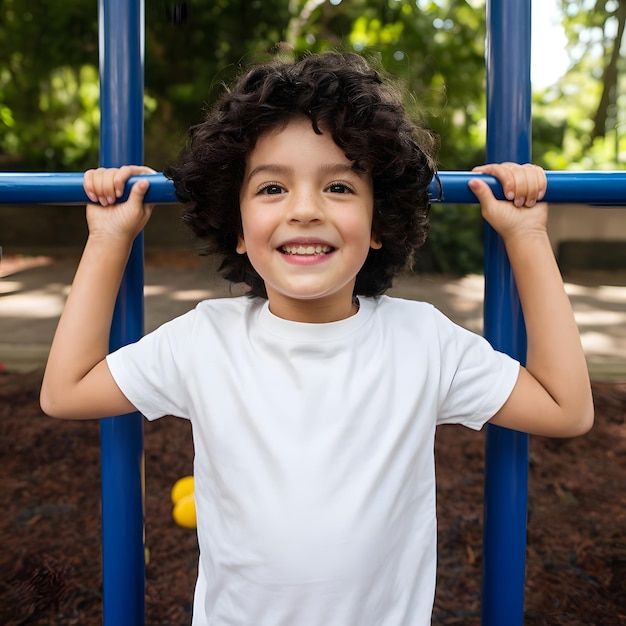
<point x="610" y="76"/>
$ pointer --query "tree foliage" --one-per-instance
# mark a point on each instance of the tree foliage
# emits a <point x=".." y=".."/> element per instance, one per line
<point x="435" y="48"/>
<point x="585" y="109"/>
<point x="48" y="65"/>
<point x="48" y="81"/>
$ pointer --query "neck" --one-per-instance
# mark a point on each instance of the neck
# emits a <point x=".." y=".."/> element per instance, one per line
<point x="309" y="312"/>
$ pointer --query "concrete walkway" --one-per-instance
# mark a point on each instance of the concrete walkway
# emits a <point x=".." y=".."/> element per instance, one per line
<point x="33" y="290"/>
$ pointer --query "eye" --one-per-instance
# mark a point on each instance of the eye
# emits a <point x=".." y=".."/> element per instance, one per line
<point x="270" y="189"/>
<point x="339" y="188"/>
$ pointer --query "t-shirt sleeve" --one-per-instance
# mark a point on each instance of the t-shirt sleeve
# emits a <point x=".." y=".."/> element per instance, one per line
<point x="148" y="372"/>
<point x="476" y="380"/>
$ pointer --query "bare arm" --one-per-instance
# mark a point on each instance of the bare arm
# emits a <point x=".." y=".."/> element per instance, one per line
<point x="552" y="396"/>
<point x="77" y="383"/>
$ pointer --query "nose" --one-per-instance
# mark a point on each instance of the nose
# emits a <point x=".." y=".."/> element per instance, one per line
<point x="305" y="206"/>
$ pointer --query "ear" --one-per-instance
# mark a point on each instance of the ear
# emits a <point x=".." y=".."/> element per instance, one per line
<point x="375" y="242"/>
<point x="241" y="245"/>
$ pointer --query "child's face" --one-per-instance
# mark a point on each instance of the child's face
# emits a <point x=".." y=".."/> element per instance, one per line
<point x="307" y="222"/>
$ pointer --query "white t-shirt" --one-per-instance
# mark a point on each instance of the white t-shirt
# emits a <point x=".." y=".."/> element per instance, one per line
<point x="314" y="466"/>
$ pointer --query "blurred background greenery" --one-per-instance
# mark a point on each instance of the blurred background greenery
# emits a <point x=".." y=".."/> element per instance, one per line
<point x="49" y="117"/>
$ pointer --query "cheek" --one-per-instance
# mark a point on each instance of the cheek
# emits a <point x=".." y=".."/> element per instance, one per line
<point x="359" y="226"/>
<point x="257" y="229"/>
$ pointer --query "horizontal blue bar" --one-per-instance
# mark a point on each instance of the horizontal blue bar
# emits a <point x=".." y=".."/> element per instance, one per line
<point x="67" y="188"/>
<point x="602" y="188"/>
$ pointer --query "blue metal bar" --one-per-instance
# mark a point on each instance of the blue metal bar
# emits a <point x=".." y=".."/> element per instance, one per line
<point x="506" y="457"/>
<point x="67" y="188"/>
<point x="608" y="188"/>
<point x="121" y="142"/>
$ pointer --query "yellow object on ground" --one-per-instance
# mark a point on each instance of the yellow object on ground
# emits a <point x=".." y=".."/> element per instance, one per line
<point x="184" y="512"/>
<point x="182" y="487"/>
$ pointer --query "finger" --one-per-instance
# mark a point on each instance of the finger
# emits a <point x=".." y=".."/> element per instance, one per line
<point x="101" y="185"/>
<point x="542" y="183"/>
<point x="536" y="184"/>
<point x="105" y="185"/>
<point x="531" y="181"/>
<point x="505" y="173"/>
<point x="88" y="186"/>
<point x="125" y="172"/>
<point x="523" y="186"/>
<point x="119" y="180"/>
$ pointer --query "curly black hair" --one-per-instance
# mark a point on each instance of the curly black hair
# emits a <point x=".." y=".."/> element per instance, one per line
<point x="361" y="109"/>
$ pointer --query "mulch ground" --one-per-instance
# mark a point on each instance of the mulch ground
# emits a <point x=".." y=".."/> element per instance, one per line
<point x="50" y="560"/>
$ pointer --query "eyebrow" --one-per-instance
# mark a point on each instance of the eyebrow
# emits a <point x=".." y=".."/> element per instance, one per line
<point x="327" y="168"/>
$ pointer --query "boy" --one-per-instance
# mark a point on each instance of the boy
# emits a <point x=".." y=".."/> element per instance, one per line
<point x="314" y="399"/>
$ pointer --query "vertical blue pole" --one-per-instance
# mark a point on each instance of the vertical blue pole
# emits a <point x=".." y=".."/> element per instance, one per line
<point x="121" y="142"/>
<point x="506" y="461"/>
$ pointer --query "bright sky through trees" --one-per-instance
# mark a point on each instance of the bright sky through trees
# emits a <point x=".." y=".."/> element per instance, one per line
<point x="549" y="58"/>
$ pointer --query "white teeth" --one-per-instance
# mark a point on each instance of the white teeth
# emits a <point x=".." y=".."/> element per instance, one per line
<point x="307" y="250"/>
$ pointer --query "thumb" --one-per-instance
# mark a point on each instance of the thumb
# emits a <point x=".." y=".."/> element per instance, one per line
<point x="139" y="190"/>
<point x="480" y="189"/>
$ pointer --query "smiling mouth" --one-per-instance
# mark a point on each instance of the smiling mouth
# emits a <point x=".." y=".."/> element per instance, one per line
<point x="306" y="250"/>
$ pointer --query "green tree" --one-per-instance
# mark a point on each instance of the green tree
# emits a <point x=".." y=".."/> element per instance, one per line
<point x="48" y="86"/>
<point x="585" y="109"/>
<point x="596" y="31"/>
<point x="48" y="95"/>
<point x="435" y="48"/>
